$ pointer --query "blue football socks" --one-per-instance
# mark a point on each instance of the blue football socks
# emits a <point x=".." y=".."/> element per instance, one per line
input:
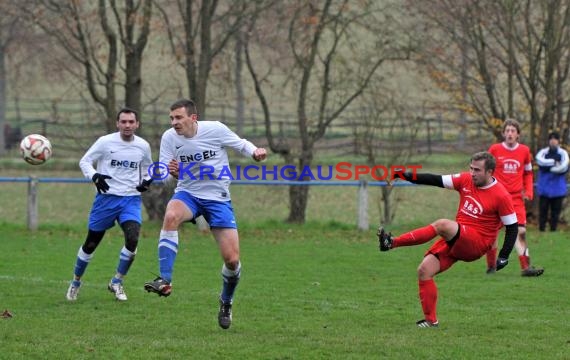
<point x="231" y="280"/>
<point x="126" y="258"/>
<point x="167" y="250"/>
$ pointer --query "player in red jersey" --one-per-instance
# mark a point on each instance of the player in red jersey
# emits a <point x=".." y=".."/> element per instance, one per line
<point x="514" y="171"/>
<point x="484" y="206"/>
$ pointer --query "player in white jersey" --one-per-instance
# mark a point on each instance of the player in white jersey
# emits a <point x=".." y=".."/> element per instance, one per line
<point x="196" y="156"/>
<point x="122" y="158"/>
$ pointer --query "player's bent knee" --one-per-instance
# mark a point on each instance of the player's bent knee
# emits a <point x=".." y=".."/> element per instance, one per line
<point x="92" y="241"/>
<point x="232" y="263"/>
<point x="442" y="226"/>
<point x="172" y="219"/>
<point x="422" y="272"/>
<point x="428" y="267"/>
<point x="446" y="228"/>
<point x="131" y="230"/>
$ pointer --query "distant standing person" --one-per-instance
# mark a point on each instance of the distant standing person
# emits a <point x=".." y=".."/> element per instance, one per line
<point x="552" y="168"/>
<point x="121" y="159"/>
<point x="514" y="171"/>
<point x="192" y="148"/>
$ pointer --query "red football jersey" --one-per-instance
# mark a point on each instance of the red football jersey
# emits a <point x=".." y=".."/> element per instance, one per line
<point x="485" y="209"/>
<point x="514" y="168"/>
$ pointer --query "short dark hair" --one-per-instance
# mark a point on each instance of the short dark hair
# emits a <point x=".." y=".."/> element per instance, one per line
<point x="188" y="104"/>
<point x="490" y="162"/>
<point x="554" y="135"/>
<point x="127" y="110"/>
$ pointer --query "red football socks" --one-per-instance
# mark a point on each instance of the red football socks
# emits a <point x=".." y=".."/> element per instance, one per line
<point x="428" y="298"/>
<point x="415" y="237"/>
<point x="525" y="261"/>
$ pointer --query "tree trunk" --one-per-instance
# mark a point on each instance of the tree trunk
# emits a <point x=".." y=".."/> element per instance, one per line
<point x="198" y="65"/>
<point x="240" y="111"/>
<point x="2" y="100"/>
<point x="134" y="49"/>
<point x="298" y="200"/>
<point x="133" y="84"/>
<point x="387" y="214"/>
<point x="299" y="194"/>
<point x="111" y="113"/>
<point x="462" y="115"/>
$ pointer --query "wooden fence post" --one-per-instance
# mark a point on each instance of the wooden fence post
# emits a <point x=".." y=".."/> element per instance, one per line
<point x="33" y="203"/>
<point x="363" y="205"/>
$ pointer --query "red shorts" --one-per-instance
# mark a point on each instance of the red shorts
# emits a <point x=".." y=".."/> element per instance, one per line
<point x="520" y="209"/>
<point x="469" y="246"/>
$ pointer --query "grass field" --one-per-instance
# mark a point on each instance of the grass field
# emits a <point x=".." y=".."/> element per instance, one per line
<point x="319" y="291"/>
<point x="314" y="292"/>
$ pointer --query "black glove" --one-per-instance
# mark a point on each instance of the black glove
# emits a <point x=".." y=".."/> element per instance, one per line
<point x="144" y="185"/>
<point x="100" y="183"/>
<point x="501" y="263"/>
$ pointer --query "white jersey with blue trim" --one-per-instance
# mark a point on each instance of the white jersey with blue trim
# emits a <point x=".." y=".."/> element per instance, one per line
<point x="127" y="162"/>
<point x="203" y="163"/>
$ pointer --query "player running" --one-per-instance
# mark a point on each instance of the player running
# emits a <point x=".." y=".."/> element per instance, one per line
<point x="195" y="152"/>
<point x="120" y="158"/>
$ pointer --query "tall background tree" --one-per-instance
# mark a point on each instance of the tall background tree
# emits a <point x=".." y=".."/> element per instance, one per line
<point x="335" y="49"/>
<point x="198" y="31"/>
<point x="12" y="31"/>
<point x="7" y="28"/>
<point x="106" y="39"/>
<point x="386" y="134"/>
<point x="501" y="59"/>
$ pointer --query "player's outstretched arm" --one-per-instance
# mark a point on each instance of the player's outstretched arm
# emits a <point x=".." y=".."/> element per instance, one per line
<point x="424" y="179"/>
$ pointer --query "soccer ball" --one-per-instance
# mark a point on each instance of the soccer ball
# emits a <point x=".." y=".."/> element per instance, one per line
<point x="35" y="149"/>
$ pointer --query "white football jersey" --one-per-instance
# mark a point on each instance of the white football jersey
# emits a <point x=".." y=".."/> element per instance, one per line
<point x="127" y="162"/>
<point x="203" y="163"/>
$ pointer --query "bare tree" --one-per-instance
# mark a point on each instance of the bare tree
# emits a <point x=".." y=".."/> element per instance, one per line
<point x="511" y="57"/>
<point x="11" y="32"/>
<point x="94" y="35"/>
<point x="335" y="48"/>
<point x="386" y="132"/>
<point x="198" y="31"/>
<point x="238" y="82"/>
<point x="7" y="27"/>
<point x="538" y="37"/>
<point x="134" y="40"/>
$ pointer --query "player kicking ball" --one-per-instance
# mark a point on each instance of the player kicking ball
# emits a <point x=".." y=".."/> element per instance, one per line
<point x="484" y="206"/>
